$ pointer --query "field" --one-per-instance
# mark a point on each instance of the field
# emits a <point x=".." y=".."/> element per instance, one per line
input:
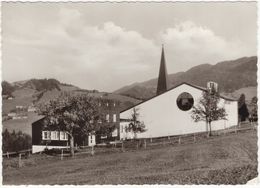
<point x="226" y="159"/>
<point x="24" y="125"/>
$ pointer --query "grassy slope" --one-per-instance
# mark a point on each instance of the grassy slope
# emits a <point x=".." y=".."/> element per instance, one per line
<point x="22" y="97"/>
<point x="25" y="97"/>
<point x="249" y="92"/>
<point x="226" y="159"/>
<point x="23" y="125"/>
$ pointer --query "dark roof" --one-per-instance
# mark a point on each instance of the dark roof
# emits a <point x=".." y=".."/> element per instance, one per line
<point x="194" y="86"/>
<point x="39" y="120"/>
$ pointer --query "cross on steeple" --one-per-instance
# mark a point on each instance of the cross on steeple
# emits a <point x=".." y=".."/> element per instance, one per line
<point x="162" y="84"/>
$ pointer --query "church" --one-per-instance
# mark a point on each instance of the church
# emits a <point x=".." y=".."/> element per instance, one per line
<point x="169" y="112"/>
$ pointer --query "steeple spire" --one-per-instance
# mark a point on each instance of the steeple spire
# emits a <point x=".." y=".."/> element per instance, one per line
<point x="162" y="85"/>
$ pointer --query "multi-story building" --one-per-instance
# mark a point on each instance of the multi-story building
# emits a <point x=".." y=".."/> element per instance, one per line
<point x="43" y="137"/>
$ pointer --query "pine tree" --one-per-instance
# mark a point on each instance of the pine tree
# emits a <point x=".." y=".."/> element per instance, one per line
<point x="242" y="108"/>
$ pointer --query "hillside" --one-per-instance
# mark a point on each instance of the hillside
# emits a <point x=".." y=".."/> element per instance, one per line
<point x="230" y="75"/>
<point x="249" y="92"/>
<point x="230" y="159"/>
<point x="32" y="92"/>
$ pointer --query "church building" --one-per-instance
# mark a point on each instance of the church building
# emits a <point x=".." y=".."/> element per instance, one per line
<point x="169" y="112"/>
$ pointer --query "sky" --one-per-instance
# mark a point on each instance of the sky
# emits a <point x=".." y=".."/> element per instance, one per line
<point x="106" y="46"/>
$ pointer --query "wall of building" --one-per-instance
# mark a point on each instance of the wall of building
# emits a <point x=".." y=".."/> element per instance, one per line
<point x="37" y="136"/>
<point x="40" y="148"/>
<point x="162" y="117"/>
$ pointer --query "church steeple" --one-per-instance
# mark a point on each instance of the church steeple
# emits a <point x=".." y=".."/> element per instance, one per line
<point x="162" y="84"/>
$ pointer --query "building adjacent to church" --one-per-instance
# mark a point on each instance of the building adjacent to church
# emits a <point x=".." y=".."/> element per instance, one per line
<point x="47" y="137"/>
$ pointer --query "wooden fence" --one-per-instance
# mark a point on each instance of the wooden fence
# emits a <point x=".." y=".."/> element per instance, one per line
<point x="15" y="154"/>
<point x="132" y="145"/>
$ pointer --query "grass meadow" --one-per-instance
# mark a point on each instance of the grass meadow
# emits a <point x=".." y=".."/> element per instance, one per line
<point x="226" y="159"/>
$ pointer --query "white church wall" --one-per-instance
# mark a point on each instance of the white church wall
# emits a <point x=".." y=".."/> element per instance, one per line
<point x="232" y="115"/>
<point x="162" y="117"/>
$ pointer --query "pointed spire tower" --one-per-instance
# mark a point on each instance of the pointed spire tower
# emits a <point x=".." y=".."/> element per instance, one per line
<point x="162" y="85"/>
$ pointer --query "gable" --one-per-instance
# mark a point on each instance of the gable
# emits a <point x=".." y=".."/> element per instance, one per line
<point x="198" y="88"/>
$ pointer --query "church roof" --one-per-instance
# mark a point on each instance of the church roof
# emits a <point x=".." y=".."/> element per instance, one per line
<point x="192" y="85"/>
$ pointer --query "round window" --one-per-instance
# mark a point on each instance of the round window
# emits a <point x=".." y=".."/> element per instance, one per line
<point x="185" y="101"/>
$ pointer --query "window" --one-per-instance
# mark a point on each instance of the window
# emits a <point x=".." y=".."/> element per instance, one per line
<point x="57" y="135"/>
<point x="45" y="135"/>
<point x="53" y="135"/>
<point x="66" y="136"/>
<point x="107" y="117"/>
<point x="91" y="138"/>
<point x="103" y="137"/>
<point x="114" y="117"/>
<point x="63" y="135"/>
<point x="185" y="101"/>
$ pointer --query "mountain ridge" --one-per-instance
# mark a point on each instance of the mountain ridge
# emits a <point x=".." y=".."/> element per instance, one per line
<point x="230" y="75"/>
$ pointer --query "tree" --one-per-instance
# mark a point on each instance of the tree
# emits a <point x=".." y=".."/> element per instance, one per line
<point x="242" y="108"/>
<point x="7" y="88"/>
<point x="74" y="114"/>
<point x="15" y="141"/>
<point x="208" y="109"/>
<point x="136" y="126"/>
<point x="254" y="110"/>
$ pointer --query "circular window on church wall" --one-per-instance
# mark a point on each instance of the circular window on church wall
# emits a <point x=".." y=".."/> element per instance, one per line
<point x="185" y="101"/>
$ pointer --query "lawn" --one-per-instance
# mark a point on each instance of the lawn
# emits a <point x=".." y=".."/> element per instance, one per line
<point x="24" y="125"/>
<point x="226" y="159"/>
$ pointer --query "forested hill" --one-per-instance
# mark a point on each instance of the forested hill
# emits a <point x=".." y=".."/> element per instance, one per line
<point x="230" y="75"/>
<point x="33" y="91"/>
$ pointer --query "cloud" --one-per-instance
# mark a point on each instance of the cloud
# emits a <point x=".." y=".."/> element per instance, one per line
<point x="105" y="56"/>
<point x="190" y="44"/>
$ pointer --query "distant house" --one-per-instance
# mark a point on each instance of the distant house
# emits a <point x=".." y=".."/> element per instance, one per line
<point x="169" y="112"/>
<point x="10" y="98"/>
<point x="50" y="138"/>
<point x="12" y="114"/>
<point x="31" y="109"/>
